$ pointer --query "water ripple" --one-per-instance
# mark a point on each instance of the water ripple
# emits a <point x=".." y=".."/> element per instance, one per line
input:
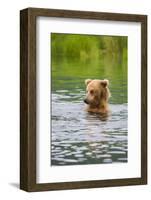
<point x="78" y="137"/>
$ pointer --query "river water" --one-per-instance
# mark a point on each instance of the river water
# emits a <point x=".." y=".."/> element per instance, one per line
<point x="78" y="137"/>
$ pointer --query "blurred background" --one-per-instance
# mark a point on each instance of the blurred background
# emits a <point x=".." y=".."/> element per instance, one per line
<point x="78" y="57"/>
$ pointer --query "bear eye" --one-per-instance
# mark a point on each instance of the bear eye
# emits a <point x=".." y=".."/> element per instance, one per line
<point x="91" y="91"/>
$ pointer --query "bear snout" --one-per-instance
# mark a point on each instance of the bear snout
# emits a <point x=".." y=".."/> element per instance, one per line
<point x="86" y="101"/>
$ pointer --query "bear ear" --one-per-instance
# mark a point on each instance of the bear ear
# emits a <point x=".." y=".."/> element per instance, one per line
<point x="87" y="81"/>
<point x="104" y="83"/>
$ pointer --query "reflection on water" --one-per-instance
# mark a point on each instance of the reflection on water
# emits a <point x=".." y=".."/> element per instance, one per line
<point x="78" y="137"/>
<point x="82" y="138"/>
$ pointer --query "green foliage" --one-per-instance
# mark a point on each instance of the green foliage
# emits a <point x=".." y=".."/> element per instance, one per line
<point x="88" y="46"/>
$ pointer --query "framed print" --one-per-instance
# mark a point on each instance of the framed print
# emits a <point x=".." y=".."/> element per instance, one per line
<point x="83" y="99"/>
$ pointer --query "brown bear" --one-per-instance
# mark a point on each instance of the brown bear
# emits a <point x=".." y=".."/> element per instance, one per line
<point x="97" y="96"/>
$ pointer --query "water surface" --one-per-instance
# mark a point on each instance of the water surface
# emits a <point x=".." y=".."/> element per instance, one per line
<point x="78" y="137"/>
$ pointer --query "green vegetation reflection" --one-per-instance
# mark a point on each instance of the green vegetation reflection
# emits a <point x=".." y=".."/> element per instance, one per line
<point x="75" y="58"/>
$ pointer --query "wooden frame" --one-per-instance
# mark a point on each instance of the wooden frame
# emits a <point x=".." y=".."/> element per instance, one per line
<point x="28" y="98"/>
